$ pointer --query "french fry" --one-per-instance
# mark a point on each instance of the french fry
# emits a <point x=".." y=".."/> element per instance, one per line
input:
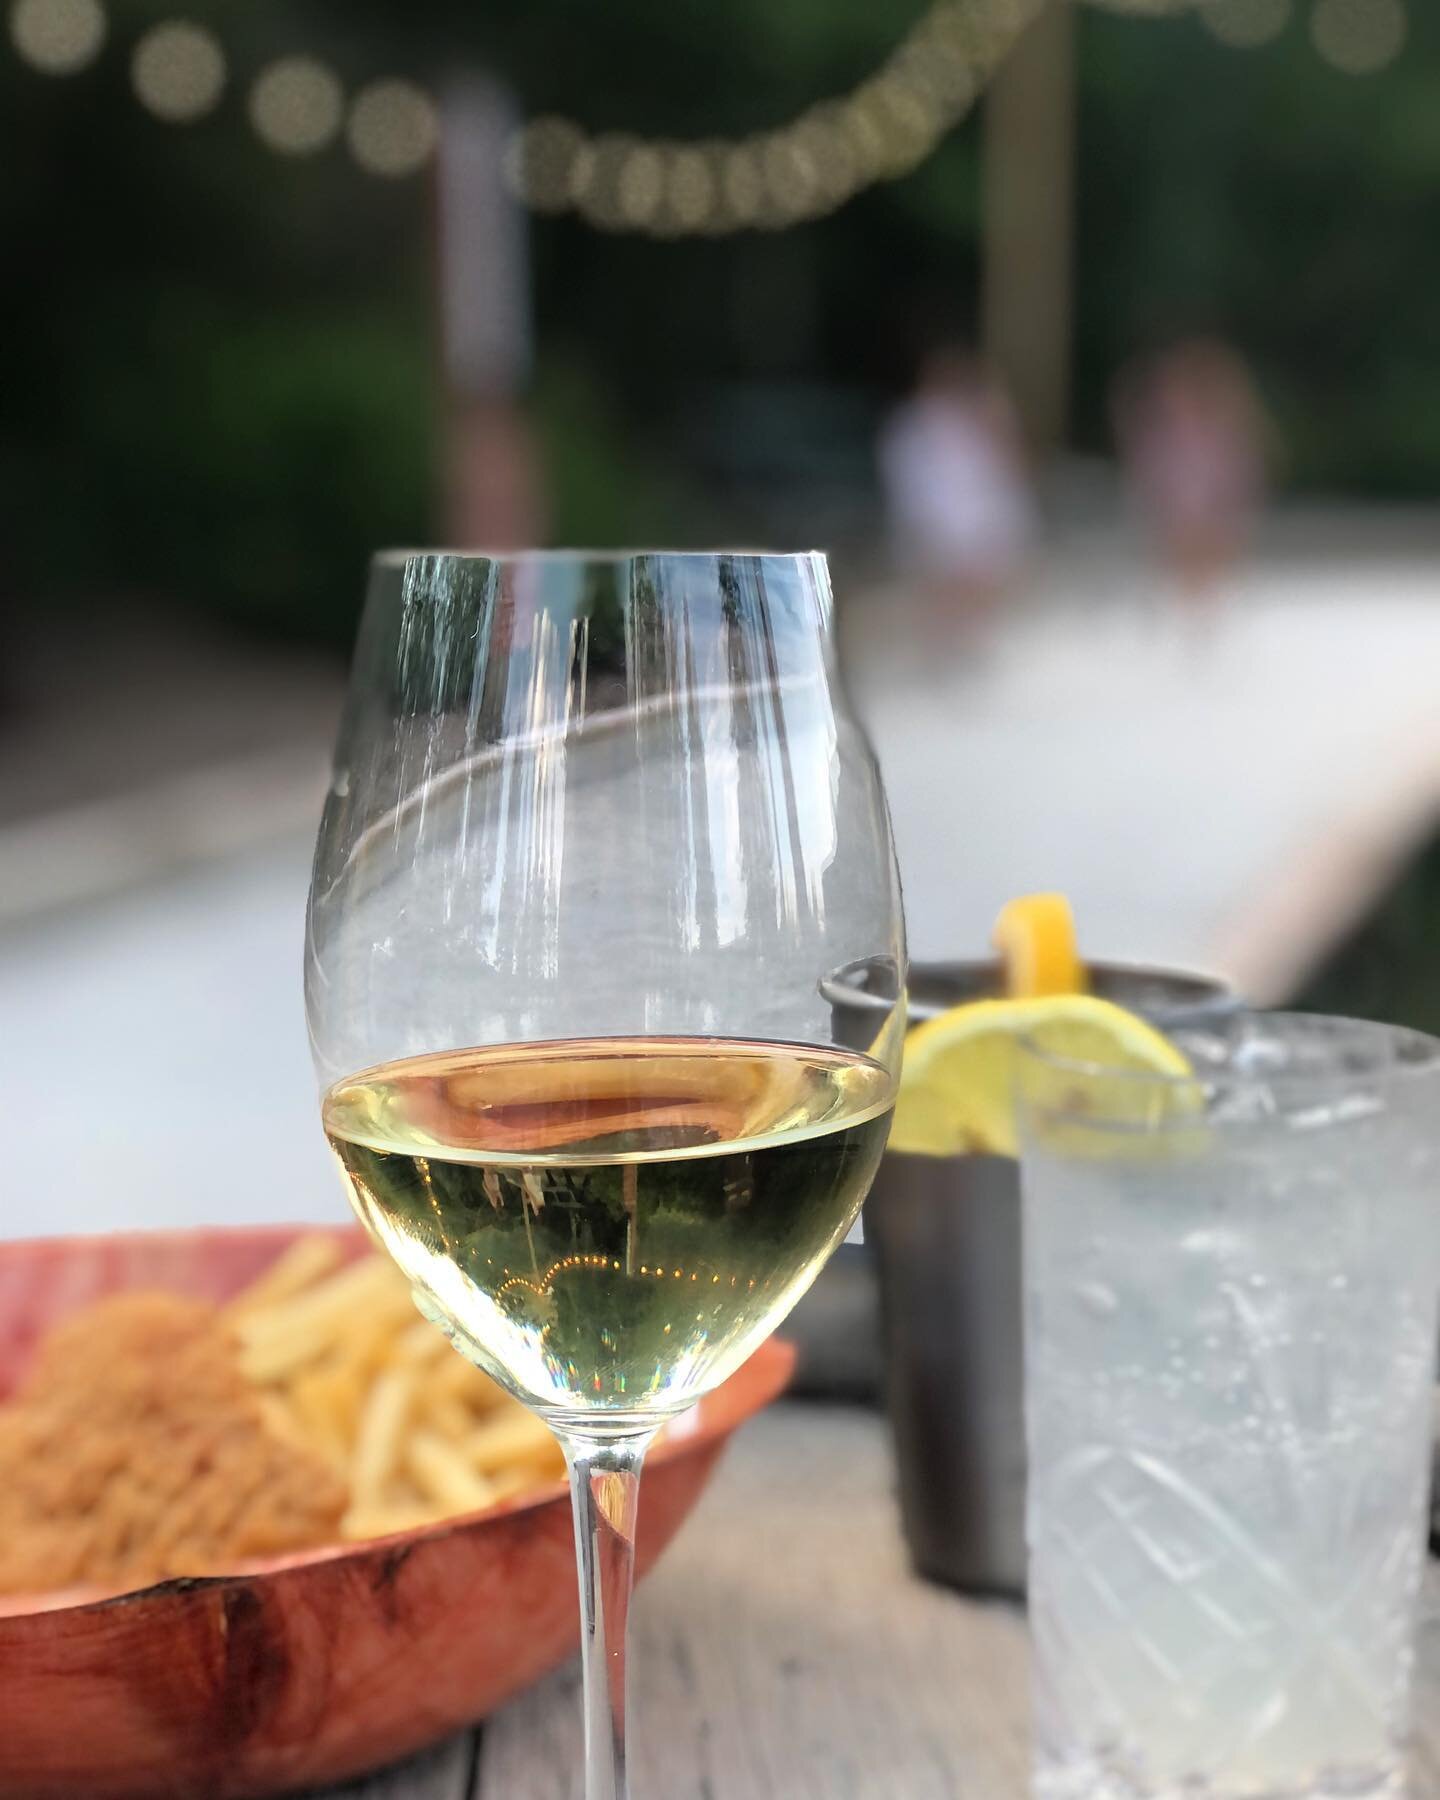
<point x="512" y="1436"/>
<point x="367" y="1345"/>
<point x="453" y="1376"/>
<point x="330" y="1304"/>
<point x="296" y="1268"/>
<point x="282" y="1421"/>
<point x="422" y="1342"/>
<point x="442" y="1474"/>
<point x="300" y="1330"/>
<point x="377" y="1445"/>
<point x="520" y="1478"/>
<point x="484" y="1393"/>
<point x="384" y="1521"/>
<point x="329" y="1400"/>
<point x="344" y="1367"/>
<point x="450" y="1416"/>
<point x="457" y="1375"/>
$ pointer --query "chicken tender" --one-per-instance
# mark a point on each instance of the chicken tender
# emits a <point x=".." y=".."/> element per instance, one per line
<point x="136" y="1449"/>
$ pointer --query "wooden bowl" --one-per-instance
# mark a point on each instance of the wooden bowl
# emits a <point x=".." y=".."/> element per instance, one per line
<point x="312" y="1667"/>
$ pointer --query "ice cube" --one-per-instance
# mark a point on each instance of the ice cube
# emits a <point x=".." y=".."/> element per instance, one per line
<point x="1345" y="1109"/>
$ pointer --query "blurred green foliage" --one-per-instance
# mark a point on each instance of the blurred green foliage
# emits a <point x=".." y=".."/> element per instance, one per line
<point x="219" y="376"/>
<point x="1388" y="967"/>
<point x="216" y="372"/>
<point x="1264" y="195"/>
<point x="600" y="497"/>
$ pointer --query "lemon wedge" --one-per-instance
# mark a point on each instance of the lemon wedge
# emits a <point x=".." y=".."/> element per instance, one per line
<point x="956" y="1091"/>
<point x="1035" y="936"/>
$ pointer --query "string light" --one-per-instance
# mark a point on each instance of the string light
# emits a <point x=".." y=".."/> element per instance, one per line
<point x="541" y="161"/>
<point x="1359" y="37"/>
<point x="691" y="190"/>
<point x="616" y="181"/>
<point x="741" y="184"/>
<point x="886" y="126"/>
<point x="296" y="105"/>
<point x="1246" y="24"/>
<point x="640" y="184"/>
<point x="393" y="128"/>
<point x="178" y="71"/>
<point x="598" y="180"/>
<point x="58" y="37"/>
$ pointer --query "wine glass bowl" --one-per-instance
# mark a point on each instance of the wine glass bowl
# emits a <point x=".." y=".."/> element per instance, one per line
<point x="639" y="1262"/>
<point x="599" y="828"/>
<point x="593" y="798"/>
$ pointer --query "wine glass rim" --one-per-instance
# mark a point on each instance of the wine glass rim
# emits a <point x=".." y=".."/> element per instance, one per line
<point x="393" y="556"/>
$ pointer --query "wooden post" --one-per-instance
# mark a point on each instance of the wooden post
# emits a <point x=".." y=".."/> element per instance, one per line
<point x="492" y="496"/>
<point x="1028" y="212"/>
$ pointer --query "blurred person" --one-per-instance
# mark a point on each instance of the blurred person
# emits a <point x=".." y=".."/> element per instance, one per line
<point x="1191" y="434"/>
<point x="958" y="500"/>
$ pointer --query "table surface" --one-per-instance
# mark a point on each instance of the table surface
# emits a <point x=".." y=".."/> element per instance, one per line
<point x="783" y="1651"/>
<point x="1228" y="789"/>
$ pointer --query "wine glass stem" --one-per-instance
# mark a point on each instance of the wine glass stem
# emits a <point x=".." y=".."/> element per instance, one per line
<point x="605" y="1492"/>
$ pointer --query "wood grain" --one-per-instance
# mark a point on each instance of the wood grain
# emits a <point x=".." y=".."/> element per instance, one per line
<point x="783" y="1649"/>
<point x="448" y="1772"/>
<point x="784" y="1652"/>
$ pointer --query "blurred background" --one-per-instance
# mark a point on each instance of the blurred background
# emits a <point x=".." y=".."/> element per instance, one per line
<point x="1098" y="345"/>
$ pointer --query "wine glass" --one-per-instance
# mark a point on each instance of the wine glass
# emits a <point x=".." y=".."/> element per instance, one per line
<point x="599" y="828"/>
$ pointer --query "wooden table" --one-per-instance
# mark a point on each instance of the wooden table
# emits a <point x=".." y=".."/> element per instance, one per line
<point x="1269" y="766"/>
<point x="783" y="1651"/>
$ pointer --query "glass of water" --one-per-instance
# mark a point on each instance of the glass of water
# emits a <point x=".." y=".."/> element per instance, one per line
<point x="1231" y="1288"/>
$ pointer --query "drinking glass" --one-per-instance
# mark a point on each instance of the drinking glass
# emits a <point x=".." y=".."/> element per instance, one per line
<point x="1231" y="1286"/>
<point x="599" y="826"/>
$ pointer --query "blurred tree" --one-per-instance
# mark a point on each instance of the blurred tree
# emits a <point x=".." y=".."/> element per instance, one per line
<point x="215" y="371"/>
<point x="1029" y="206"/>
<point x="1264" y="195"/>
<point x="218" y="371"/>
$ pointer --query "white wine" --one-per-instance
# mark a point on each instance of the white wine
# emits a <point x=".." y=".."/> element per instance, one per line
<point x="612" y="1224"/>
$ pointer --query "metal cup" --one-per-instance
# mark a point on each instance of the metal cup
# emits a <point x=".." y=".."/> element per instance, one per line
<point x="945" y="1236"/>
